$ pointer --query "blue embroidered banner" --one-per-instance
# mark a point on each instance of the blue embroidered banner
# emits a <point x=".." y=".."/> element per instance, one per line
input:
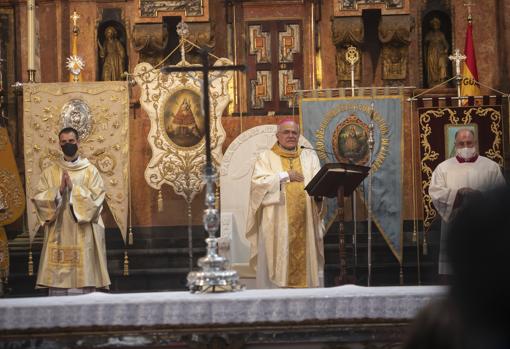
<point x="339" y="129"/>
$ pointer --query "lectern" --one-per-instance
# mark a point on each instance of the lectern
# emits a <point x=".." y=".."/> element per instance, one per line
<point x="338" y="180"/>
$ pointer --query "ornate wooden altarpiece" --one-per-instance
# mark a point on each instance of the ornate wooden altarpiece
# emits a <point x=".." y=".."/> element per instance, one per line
<point x="394" y="34"/>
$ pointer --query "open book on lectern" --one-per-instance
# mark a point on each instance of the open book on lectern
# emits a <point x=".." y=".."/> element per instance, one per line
<point x="331" y="176"/>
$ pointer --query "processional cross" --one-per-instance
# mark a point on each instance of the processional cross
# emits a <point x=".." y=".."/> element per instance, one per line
<point x="214" y="274"/>
<point x="457" y="58"/>
<point x="469" y="5"/>
<point x="75" y="17"/>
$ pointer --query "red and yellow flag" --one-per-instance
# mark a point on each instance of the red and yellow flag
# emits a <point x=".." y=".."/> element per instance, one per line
<point x="469" y="85"/>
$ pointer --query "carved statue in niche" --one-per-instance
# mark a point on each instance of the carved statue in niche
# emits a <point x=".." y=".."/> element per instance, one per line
<point x="113" y="54"/>
<point x="394" y="34"/>
<point x="346" y="32"/>
<point x="150" y="41"/>
<point x="436" y="54"/>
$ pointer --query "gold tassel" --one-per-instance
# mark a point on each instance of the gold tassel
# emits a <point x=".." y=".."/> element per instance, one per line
<point x="401" y="275"/>
<point x="425" y="244"/>
<point x="130" y="236"/>
<point x="414" y="236"/>
<point x="30" y="264"/>
<point x="160" y="201"/>
<point x="126" y="264"/>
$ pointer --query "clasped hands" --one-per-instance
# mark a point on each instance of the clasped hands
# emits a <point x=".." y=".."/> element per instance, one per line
<point x="65" y="182"/>
<point x="295" y="176"/>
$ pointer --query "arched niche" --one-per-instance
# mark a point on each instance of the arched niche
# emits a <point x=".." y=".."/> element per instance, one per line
<point x="430" y="37"/>
<point x="101" y="37"/>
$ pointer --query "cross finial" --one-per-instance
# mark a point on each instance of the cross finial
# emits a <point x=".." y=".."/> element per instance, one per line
<point x="457" y="57"/>
<point x="469" y="4"/>
<point x="75" y="17"/>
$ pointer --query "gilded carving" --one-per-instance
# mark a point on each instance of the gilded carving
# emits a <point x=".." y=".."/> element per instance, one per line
<point x="97" y="110"/>
<point x="347" y="32"/>
<point x="150" y="40"/>
<point x="201" y="35"/>
<point x="395" y="35"/>
<point x="11" y="197"/>
<point x="173" y="104"/>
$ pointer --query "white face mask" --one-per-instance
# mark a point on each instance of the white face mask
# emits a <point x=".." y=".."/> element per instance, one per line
<point x="466" y="153"/>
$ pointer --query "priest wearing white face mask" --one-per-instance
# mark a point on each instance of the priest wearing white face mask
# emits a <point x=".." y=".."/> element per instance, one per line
<point x="468" y="173"/>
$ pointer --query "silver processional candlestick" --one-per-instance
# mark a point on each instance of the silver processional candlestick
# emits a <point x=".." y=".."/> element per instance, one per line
<point x="371" y="143"/>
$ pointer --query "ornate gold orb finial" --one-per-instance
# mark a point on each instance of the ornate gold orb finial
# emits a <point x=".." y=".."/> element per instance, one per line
<point x="352" y="55"/>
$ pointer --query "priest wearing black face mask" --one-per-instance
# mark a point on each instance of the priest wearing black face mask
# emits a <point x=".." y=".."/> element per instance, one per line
<point x="68" y="201"/>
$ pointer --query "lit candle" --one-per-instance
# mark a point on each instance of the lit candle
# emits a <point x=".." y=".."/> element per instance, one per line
<point x="31" y="34"/>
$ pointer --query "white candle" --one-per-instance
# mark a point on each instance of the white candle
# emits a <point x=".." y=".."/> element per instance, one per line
<point x="31" y="34"/>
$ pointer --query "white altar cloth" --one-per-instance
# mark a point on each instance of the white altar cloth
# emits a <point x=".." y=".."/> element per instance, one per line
<point x="182" y="308"/>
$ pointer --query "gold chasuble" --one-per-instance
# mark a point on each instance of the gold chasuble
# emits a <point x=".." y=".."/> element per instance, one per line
<point x="74" y="251"/>
<point x="284" y="228"/>
<point x="296" y="209"/>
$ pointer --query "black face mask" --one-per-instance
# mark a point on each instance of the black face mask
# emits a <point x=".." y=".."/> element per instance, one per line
<point x="69" y="149"/>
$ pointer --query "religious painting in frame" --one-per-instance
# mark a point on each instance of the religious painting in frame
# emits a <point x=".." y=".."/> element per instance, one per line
<point x="437" y="127"/>
<point x="183" y="120"/>
<point x="450" y="130"/>
<point x="350" y="141"/>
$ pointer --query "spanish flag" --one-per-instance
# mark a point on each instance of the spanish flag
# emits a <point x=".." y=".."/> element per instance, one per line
<point x="469" y="85"/>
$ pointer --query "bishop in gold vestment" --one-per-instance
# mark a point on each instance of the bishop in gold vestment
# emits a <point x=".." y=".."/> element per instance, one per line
<point x="284" y="228"/>
<point x="68" y="200"/>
